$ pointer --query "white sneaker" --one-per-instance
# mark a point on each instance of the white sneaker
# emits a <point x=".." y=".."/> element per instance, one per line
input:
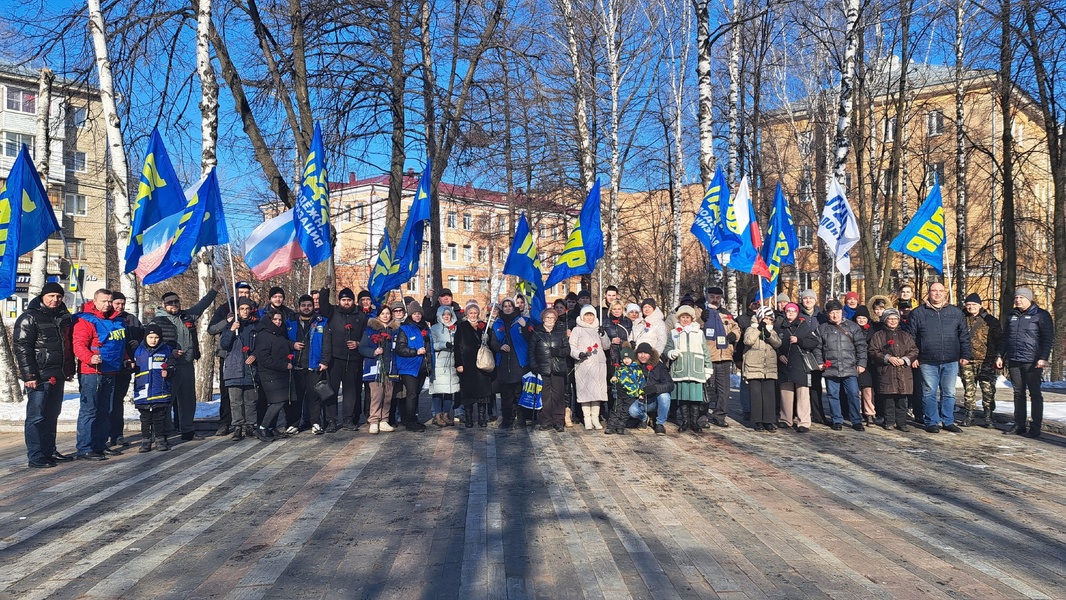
<point x="373" y="428"/>
<point x="316" y="429"/>
<point x="292" y="430"/>
<point x="384" y="427"/>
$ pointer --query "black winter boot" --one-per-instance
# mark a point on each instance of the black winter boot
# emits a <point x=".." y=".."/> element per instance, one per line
<point x="161" y="443"/>
<point x="468" y="416"/>
<point x="967" y="421"/>
<point x="988" y="417"/>
<point x="146" y="445"/>
<point x="261" y="434"/>
<point x="482" y="416"/>
<point x="238" y="434"/>
<point x="693" y="419"/>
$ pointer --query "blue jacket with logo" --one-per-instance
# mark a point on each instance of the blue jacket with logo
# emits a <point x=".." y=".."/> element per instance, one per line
<point x="409" y="339"/>
<point x="1028" y="335"/>
<point x="316" y="337"/>
<point x="150" y="388"/>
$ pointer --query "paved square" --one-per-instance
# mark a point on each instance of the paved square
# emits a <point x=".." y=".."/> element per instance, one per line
<point x="486" y="513"/>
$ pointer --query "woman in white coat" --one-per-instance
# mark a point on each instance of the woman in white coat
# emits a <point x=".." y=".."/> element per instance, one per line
<point x="443" y="380"/>
<point x="588" y="347"/>
<point x="651" y="327"/>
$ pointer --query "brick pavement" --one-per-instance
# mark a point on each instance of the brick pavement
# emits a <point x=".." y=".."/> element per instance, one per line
<point x="484" y="513"/>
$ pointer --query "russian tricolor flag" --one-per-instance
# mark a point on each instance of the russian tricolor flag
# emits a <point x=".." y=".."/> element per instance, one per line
<point x="272" y="247"/>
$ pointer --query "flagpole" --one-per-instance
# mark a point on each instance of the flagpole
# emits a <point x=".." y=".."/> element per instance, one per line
<point x="214" y="275"/>
<point x="232" y="273"/>
<point x="310" y="272"/>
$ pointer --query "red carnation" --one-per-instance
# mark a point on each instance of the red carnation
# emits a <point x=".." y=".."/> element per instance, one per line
<point x="425" y="333"/>
<point x="52" y="380"/>
<point x="828" y="363"/>
<point x="189" y="324"/>
<point x="590" y="348"/>
<point x="290" y="357"/>
<point x="891" y="342"/>
<point x="386" y="336"/>
<point x="595" y="345"/>
<point x="616" y="365"/>
<point x="679" y="329"/>
<point x="348" y="326"/>
<point x="615" y="321"/>
<point x="649" y="367"/>
<point x="163" y="366"/>
<point x="245" y="349"/>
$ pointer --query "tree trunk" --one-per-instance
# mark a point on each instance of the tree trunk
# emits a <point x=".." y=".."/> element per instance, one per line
<point x="397" y="86"/>
<point x="847" y="77"/>
<point x="614" y="77"/>
<point x="39" y="266"/>
<point x="205" y="373"/>
<point x="732" y="170"/>
<point x="962" y="240"/>
<point x="118" y="175"/>
<point x="429" y="100"/>
<point x="581" y="113"/>
<point x="1009" y="226"/>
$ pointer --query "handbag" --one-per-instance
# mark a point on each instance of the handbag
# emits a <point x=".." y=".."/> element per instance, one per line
<point x="324" y="390"/>
<point x="810" y="364"/>
<point x="532" y="384"/>
<point x="485" y="359"/>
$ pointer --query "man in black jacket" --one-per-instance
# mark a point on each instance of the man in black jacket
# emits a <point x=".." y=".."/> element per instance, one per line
<point x="943" y="340"/>
<point x="1025" y="348"/>
<point x="221" y="320"/>
<point x="346" y="326"/>
<point x="179" y="330"/>
<point x="45" y="358"/>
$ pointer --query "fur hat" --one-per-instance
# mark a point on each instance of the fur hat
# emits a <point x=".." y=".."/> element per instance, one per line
<point x="685" y="310"/>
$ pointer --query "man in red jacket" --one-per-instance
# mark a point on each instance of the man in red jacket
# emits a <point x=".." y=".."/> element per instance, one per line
<point x="100" y="346"/>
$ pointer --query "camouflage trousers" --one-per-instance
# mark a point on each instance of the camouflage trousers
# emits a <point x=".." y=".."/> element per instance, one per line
<point x="972" y="378"/>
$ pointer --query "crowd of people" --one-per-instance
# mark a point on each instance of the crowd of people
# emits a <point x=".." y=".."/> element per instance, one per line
<point x="323" y="367"/>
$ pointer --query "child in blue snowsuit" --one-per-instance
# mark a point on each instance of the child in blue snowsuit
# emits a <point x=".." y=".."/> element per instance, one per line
<point x="152" y="393"/>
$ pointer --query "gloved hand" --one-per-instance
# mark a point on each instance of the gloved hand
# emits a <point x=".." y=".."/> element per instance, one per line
<point x="448" y="345"/>
<point x="582" y="355"/>
<point x="673" y="354"/>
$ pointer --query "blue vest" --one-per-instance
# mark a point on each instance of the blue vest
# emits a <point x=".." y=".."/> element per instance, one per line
<point x="411" y="365"/>
<point x="111" y="335"/>
<point x="314" y="346"/>
<point x="150" y="388"/>
<point x="518" y="341"/>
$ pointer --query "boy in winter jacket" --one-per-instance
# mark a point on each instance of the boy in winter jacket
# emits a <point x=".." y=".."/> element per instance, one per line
<point x="629" y="382"/>
<point x="657" y="387"/>
<point x="152" y="392"/>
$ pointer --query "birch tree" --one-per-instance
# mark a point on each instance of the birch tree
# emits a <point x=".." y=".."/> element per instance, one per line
<point x="962" y="240"/>
<point x="585" y="150"/>
<point x="847" y="78"/>
<point x="39" y="265"/>
<point x="205" y="374"/>
<point x="118" y="171"/>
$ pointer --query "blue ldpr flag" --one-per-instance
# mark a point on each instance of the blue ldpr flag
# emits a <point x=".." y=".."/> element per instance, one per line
<point x="780" y="245"/>
<point x="386" y="273"/>
<point x="709" y="224"/>
<point x="311" y="213"/>
<point x="523" y="262"/>
<point x="924" y="237"/>
<point x="170" y="246"/>
<point x="584" y="246"/>
<point x="159" y="195"/>
<point x="26" y="218"/>
<point x="409" y="250"/>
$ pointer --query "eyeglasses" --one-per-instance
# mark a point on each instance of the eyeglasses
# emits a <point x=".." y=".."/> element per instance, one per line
<point x="172" y="303"/>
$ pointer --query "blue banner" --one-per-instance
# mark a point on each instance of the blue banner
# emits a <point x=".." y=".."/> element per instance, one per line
<point x="924" y="237"/>
<point x="311" y="213"/>
<point x="709" y="224"/>
<point x="159" y="195"/>
<point x="584" y="246"/>
<point x="202" y="224"/>
<point x="26" y="218"/>
<point x="780" y="245"/>
<point x="523" y="262"/>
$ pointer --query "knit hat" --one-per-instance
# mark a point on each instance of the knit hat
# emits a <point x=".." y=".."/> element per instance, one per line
<point x="274" y="291"/>
<point x="397" y="305"/>
<point x="415" y="307"/>
<point x="347" y="293"/>
<point x="764" y="312"/>
<point x="153" y="328"/>
<point x="1024" y="292"/>
<point x="646" y="348"/>
<point x="685" y="310"/>
<point x="444" y="292"/>
<point x="783" y="298"/>
<point x="571" y="296"/>
<point x="584" y="294"/>
<point x="52" y="288"/>
<point x="243" y="301"/>
<point x="808" y="294"/>
<point x="304" y="298"/>
<point x="588" y="308"/>
<point x="687" y="300"/>
<point x="117" y="296"/>
<point x="364" y="294"/>
<point x="472" y="303"/>
<point x="862" y="311"/>
<point x="648" y="302"/>
<point x="889" y="312"/>
<point x="631" y="307"/>
<point x="850" y="295"/>
<point x="627" y="352"/>
<point x="792" y="305"/>
<point x="833" y="305"/>
<point x="974" y="298"/>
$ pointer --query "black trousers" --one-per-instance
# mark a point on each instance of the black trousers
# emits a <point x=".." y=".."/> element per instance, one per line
<point x="345" y="377"/>
<point x="153" y="421"/>
<point x="225" y="414"/>
<point x="895" y="407"/>
<point x="817" y="410"/>
<point x="1026" y="376"/>
<point x="305" y="399"/>
<point x="916" y="396"/>
<point x="720" y="390"/>
<point x="412" y="387"/>
<point x="509" y="394"/>
<point x="554" y="398"/>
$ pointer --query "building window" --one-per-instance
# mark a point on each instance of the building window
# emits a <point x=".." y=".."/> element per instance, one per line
<point x="555" y="232"/>
<point x="21" y="100"/>
<point x="468" y="286"/>
<point x="468" y="222"/>
<point x="76" y="116"/>
<point x="468" y="254"/>
<point x="453" y="283"/>
<point x="806" y="280"/>
<point x="412" y="286"/>
<point x="501" y="223"/>
<point x="75" y="205"/>
<point x="360" y="212"/>
<point x="934" y="173"/>
<point x="452" y="219"/>
<point x="806" y="142"/>
<point x="453" y="252"/>
<point x="14" y="141"/>
<point x="935" y="120"/>
<point x="890" y="130"/>
<point x="75" y="249"/>
<point x="77" y="162"/>
<point x="482" y="254"/>
<point x="805" y="236"/>
<point x="483" y="223"/>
